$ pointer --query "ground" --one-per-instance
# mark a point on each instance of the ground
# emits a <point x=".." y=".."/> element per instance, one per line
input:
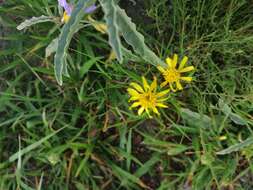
<point x="82" y="135"/>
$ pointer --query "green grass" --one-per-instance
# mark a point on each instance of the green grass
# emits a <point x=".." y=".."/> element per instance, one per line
<point x="83" y="136"/>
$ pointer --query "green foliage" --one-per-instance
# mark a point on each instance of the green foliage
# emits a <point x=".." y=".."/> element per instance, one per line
<point x="195" y="119"/>
<point x="117" y="23"/>
<point x="65" y="37"/>
<point x="228" y="112"/>
<point x="110" y="10"/>
<point x="236" y="147"/>
<point x="136" y="39"/>
<point x="196" y="143"/>
<point x="33" y="21"/>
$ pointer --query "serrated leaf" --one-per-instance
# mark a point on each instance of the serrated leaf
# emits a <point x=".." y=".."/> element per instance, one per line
<point x="65" y="37"/>
<point x="135" y="38"/>
<point x="34" y="20"/>
<point x="195" y="119"/>
<point x="236" y="147"/>
<point x="110" y="10"/>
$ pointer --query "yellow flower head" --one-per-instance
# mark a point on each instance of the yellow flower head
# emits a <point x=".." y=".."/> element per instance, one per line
<point x="173" y="74"/>
<point x="147" y="98"/>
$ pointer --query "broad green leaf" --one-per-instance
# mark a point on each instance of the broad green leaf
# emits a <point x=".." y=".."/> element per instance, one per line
<point x="65" y="37"/>
<point x="135" y="38"/>
<point x="34" y="20"/>
<point x="110" y="10"/>
<point x="195" y="119"/>
<point x="128" y="55"/>
<point x="236" y="147"/>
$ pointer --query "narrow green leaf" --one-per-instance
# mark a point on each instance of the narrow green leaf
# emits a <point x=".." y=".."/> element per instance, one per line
<point x="236" y="147"/>
<point x="34" y="20"/>
<point x="128" y="176"/>
<point x="129" y="149"/>
<point x="86" y="66"/>
<point x="32" y="146"/>
<point x="147" y="166"/>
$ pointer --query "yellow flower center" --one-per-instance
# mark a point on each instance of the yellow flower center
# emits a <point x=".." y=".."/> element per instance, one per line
<point x="171" y="75"/>
<point x="148" y="100"/>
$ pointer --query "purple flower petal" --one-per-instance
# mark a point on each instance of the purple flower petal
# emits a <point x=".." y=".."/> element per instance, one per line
<point x="90" y="9"/>
<point x="67" y="7"/>
<point x="62" y="3"/>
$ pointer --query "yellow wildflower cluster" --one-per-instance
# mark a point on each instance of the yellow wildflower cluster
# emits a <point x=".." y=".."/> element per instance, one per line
<point x="147" y="98"/>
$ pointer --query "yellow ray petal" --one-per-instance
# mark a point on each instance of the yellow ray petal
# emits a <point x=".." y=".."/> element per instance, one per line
<point x="153" y="86"/>
<point x="163" y="93"/>
<point x="188" y="79"/>
<point x="140" y="111"/>
<point x="135" y="104"/>
<point x="183" y="62"/>
<point x="162" y="99"/>
<point x="161" y="69"/>
<point x="145" y="83"/>
<point x="179" y="86"/>
<point x="186" y="69"/>
<point x="155" y="110"/>
<point x="164" y="84"/>
<point x="174" y="61"/>
<point x="161" y="105"/>
<point x="133" y="98"/>
<point x="132" y="92"/>
<point x="172" y="88"/>
<point x="169" y="62"/>
<point x="137" y="87"/>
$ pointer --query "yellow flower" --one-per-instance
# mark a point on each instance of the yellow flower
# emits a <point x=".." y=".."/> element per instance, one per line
<point x="147" y="98"/>
<point x="173" y="74"/>
<point x="65" y="17"/>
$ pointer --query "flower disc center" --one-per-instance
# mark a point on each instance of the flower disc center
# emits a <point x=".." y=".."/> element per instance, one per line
<point x="172" y="75"/>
